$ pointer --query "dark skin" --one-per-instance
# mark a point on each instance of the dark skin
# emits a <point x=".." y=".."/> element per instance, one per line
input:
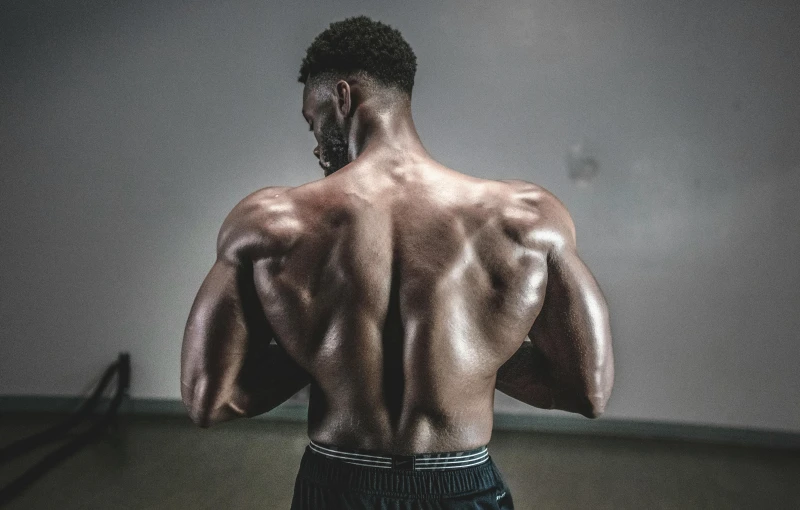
<point x="402" y="291"/>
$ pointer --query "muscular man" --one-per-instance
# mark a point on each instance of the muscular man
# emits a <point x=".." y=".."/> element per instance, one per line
<point x="403" y="291"/>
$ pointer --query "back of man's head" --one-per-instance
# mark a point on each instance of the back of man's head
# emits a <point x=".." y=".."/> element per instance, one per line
<point x="360" y="46"/>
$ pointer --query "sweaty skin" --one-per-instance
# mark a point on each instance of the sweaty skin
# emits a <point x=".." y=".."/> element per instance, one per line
<point x="404" y="293"/>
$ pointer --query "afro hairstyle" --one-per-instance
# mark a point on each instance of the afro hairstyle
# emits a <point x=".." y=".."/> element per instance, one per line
<point x="360" y="44"/>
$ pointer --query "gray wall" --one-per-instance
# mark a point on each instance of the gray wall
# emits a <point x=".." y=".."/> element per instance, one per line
<point x="129" y="130"/>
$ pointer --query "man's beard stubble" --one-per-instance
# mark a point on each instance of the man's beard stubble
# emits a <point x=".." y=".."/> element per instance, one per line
<point x="333" y="148"/>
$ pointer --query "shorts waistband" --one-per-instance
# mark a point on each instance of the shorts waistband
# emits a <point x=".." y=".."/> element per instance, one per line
<point x="342" y="476"/>
<point x="419" y="462"/>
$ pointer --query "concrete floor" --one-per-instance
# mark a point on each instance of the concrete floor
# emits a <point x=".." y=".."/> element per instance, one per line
<point x="168" y="463"/>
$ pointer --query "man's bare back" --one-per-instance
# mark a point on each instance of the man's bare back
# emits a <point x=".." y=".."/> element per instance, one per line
<point x="401" y="294"/>
<point x="402" y="291"/>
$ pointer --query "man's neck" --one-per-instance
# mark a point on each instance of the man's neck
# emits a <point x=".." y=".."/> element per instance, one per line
<point x="379" y="130"/>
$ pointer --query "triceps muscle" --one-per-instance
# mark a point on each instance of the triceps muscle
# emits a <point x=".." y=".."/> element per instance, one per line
<point x="573" y="333"/>
<point x="225" y="326"/>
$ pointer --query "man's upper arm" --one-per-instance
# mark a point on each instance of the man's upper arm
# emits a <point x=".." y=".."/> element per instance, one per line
<point x="216" y="342"/>
<point x="572" y="329"/>
<point x="226" y="323"/>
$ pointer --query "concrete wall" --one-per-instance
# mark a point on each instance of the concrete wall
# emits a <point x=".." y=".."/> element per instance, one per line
<point x="129" y="130"/>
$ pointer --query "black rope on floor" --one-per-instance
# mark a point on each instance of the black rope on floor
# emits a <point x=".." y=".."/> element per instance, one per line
<point x="100" y="423"/>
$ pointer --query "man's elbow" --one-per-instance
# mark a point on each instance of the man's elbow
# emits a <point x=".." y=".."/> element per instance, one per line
<point x="596" y="406"/>
<point x="591" y="405"/>
<point x="197" y="404"/>
<point x="597" y="400"/>
<point x="205" y="416"/>
<point x="201" y="417"/>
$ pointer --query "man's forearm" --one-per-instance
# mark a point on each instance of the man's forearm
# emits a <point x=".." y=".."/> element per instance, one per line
<point x="267" y="381"/>
<point x="267" y="378"/>
<point x="530" y="377"/>
<point x="524" y="377"/>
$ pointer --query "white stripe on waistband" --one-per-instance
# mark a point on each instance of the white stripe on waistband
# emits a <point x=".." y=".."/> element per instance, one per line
<point x="462" y="458"/>
<point x="366" y="462"/>
<point x="351" y="455"/>
<point x="420" y="463"/>
<point x="481" y="461"/>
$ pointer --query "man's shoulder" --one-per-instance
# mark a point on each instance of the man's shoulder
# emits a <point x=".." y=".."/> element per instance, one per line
<point x="262" y="197"/>
<point x="258" y="225"/>
<point x="529" y="192"/>
<point x="538" y="214"/>
<point x="261" y="208"/>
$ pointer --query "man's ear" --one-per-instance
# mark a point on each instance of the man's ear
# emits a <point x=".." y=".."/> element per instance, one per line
<point x="343" y="98"/>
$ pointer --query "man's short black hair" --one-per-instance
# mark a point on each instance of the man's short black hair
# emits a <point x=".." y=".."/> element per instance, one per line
<point x="361" y="44"/>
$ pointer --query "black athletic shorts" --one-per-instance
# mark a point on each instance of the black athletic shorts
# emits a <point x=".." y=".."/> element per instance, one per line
<point x="332" y="478"/>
